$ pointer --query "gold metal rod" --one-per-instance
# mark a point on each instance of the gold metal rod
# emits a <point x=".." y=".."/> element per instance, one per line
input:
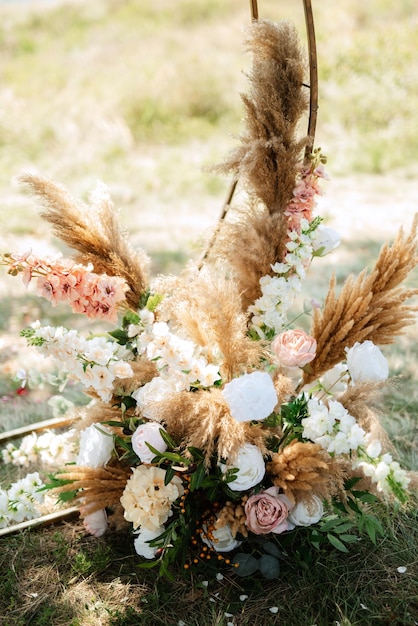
<point x="254" y="9"/>
<point x="313" y="74"/>
<point x="58" y="516"/>
<point x="55" y="422"/>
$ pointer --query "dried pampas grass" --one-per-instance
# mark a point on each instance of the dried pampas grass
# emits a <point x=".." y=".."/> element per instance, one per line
<point x="269" y="154"/>
<point x="268" y="157"/>
<point x="370" y="306"/>
<point x="93" y="231"/>
<point x="207" y="306"/>
<point x="97" y="488"/>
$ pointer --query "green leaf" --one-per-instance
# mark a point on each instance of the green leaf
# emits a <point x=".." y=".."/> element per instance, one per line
<point x="121" y="336"/>
<point x="334" y="541"/>
<point x="168" y="475"/>
<point x="365" y="496"/>
<point x="247" y="564"/>
<point x="153" y="301"/>
<point x="196" y="478"/>
<point x="196" y="453"/>
<point x="349" y="538"/>
<point x="167" y="438"/>
<point x="269" y="566"/>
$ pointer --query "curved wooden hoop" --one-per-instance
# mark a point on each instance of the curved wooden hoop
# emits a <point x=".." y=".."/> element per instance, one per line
<point x="313" y="109"/>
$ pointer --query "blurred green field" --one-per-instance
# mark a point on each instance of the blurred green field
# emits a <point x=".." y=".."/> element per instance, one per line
<point x="144" y="96"/>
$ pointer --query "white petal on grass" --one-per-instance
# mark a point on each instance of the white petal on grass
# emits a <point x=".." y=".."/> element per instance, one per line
<point x="243" y="598"/>
<point x="274" y="609"/>
<point x="402" y="569"/>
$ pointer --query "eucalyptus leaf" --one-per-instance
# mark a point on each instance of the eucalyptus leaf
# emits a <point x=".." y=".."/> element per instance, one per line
<point x="248" y="564"/>
<point x="269" y="566"/>
<point x="271" y="548"/>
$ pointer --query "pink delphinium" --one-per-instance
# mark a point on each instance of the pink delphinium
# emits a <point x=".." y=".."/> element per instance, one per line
<point x="61" y="280"/>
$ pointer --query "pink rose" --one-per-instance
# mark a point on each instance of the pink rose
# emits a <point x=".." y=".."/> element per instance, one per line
<point x="267" y="511"/>
<point x="294" y="348"/>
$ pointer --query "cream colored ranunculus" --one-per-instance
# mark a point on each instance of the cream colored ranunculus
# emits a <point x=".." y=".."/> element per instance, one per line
<point x="146" y="500"/>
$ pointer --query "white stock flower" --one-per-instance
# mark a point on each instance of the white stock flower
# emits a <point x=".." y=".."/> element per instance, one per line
<point x="148" y="433"/>
<point x="96" y="446"/>
<point x="319" y="422"/>
<point x="365" y="362"/>
<point x="374" y="449"/>
<point x="142" y="539"/>
<point x="307" y="513"/>
<point x="251" y="468"/>
<point x="251" y="396"/>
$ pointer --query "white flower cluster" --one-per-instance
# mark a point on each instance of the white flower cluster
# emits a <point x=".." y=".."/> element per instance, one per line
<point x="46" y="449"/>
<point x="20" y="501"/>
<point x="95" y="363"/>
<point x="180" y="362"/>
<point x="332" y="427"/>
<point x="381" y="468"/>
<point x="278" y="292"/>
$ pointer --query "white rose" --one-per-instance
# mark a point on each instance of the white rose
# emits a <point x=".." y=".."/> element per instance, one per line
<point x="148" y="433"/>
<point x="365" y="361"/>
<point x="325" y="240"/>
<point x="96" y="446"/>
<point x="250" y="397"/>
<point x="96" y="523"/>
<point x="305" y="514"/>
<point x="156" y="390"/>
<point x="251" y="468"/>
<point x="142" y="539"/>
<point x="223" y="541"/>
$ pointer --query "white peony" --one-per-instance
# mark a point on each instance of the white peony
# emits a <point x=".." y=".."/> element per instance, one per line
<point x="148" y="433"/>
<point x="96" y="446"/>
<point x="250" y="397"/>
<point x="365" y="361"/>
<point x="251" y="468"/>
<point x="307" y="513"/>
<point x="142" y="539"/>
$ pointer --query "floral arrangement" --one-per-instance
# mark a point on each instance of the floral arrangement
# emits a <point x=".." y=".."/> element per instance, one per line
<point x="219" y="429"/>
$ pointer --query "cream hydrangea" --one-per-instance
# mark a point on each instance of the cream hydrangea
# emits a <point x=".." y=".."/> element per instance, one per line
<point x="147" y="500"/>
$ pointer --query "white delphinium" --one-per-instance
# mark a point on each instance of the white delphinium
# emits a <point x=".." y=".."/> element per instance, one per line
<point x="279" y="292"/>
<point x="386" y="473"/>
<point x="332" y="427"/>
<point x="4" y="509"/>
<point x="96" y="362"/>
<point x="48" y="448"/>
<point x="24" y="497"/>
<point x="180" y="362"/>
